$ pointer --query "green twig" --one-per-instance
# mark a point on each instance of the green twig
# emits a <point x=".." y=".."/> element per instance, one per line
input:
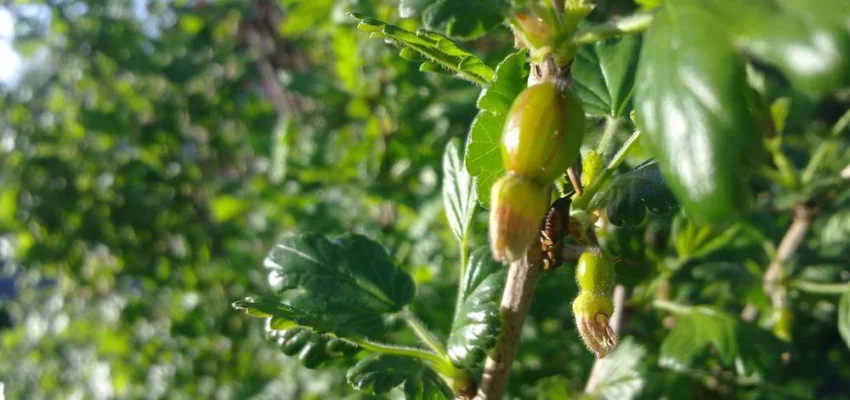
<point x="675" y="308"/>
<point x="461" y="282"/>
<point x="631" y="24"/>
<point x="787" y="172"/>
<point x="841" y="123"/>
<point x="611" y="125"/>
<point x="820" y="288"/>
<point x="583" y="201"/>
<point x="424" y="334"/>
<point x="443" y="365"/>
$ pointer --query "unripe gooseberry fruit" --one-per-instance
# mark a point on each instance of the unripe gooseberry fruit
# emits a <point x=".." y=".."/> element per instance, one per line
<point x="543" y="132"/>
<point x="594" y="305"/>
<point x="517" y="207"/>
<point x="595" y="272"/>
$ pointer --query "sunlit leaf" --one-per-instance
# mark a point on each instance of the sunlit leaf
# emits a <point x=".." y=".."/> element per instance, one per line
<point x="459" y="195"/>
<point x="483" y="152"/>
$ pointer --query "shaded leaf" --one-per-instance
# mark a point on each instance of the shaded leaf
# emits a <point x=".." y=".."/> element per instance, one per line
<point x="604" y="75"/>
<point x="459" y="195"/>
<point x="747" y="347"/>
<point x="631" y="194"/>
<point x="477" y="322"/>
<point x="468" y="19"/>
<point x="381" y="373"/>
<point x="312" y="348"/>
<point x="437" y="48"/>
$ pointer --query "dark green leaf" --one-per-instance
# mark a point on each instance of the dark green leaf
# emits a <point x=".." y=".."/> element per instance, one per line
<point x="342" y="319"/>
<point x="631" y="194"/>
<point x="381" y="373"/>
<point x="619" y="376"/>
<point x="311" y="348"/>
<point x="604" y="75"/>
<point x="354" y="270"/>
<point x="844" y="318"/>
<point x="468" y="19"/>
<point x="483" y="157"/>
<point x="459" y="193"/>
<point x="437" y="48"/>
<point x="747" y="347"/>
<point x="477" y="322"/>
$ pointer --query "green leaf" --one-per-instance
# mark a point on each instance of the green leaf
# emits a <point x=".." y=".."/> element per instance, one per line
<point x="437" y="48"/>
<point x="619" y="376"/>
<point x="835" y="231"/>
<point x="807" y="43"/>
<point x="477" y="322"/>
<point x="631" y="194"/>
<point x="844" y="318"/>
<point x="466" y="20"/>
<point x="459" y="193"/>
<point x="697" y="112"/>
<point x="312" y="348"/>
<point x="604" y="74"/>
<point x="341" y="319"/>
<point x="483" y="157"/>
<point x="483" y="153"/>
<point x="747" y="347"/>
<point x="353" y="270"/>
<point x="508" y="82"/>
<point x="381" y="373"/>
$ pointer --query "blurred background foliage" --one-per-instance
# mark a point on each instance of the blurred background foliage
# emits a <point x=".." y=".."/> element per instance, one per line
<point x="154" y="150"/>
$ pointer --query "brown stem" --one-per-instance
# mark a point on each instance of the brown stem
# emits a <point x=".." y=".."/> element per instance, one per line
<point x="775" y="274"/>
<point x="575" y="179"/>
<point x="519" y="288"/>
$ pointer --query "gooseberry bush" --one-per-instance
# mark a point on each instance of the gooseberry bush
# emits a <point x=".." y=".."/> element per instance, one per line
<point x="688" y="161"/>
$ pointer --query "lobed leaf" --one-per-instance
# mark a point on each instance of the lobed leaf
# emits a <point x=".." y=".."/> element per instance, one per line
<point x="459" y="195"/>
<point x="381" y="373"/>
<point x="630" y="195"/>
<point x="312" y="348"/>
<point x="477" y="323"/>
<point x="747" y="347"/>
<point x="436" y="48"/>
<point x="354" y="271"/>
<point x="483" y="157"/>
<point x="619" y="376"/>
<point x="342" y="320"/>
<point x="468" y="19"/>
<point x="604" y="75"/>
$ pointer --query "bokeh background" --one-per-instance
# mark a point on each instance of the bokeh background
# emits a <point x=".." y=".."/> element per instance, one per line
<point x="152" y="151"/>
